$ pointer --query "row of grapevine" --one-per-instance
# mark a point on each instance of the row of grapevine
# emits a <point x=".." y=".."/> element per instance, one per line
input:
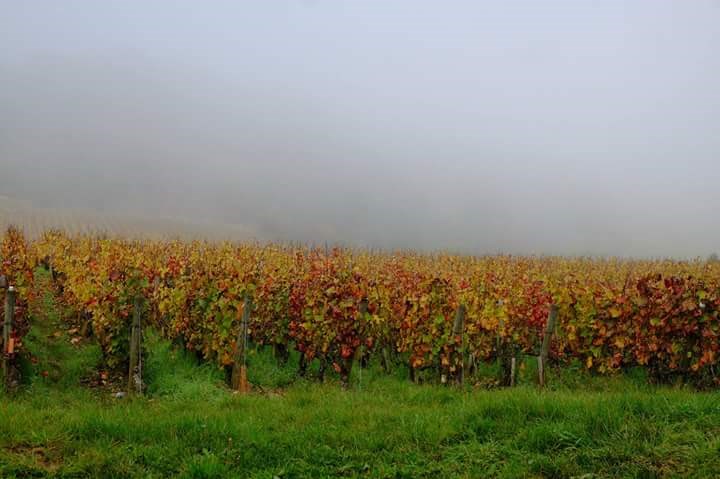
<point x="16" y="275"/>
<point x="335" y="305"/>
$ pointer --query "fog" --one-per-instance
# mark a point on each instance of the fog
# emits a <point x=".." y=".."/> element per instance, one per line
<point x="555" y="127"/>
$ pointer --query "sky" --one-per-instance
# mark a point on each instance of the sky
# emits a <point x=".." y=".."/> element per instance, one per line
<point x="528" y="127"/>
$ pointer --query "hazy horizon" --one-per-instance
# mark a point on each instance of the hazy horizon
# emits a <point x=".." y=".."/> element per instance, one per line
<point x="556" y="127"/>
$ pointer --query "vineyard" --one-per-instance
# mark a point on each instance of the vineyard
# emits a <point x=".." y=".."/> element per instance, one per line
<point x="339" y="306"/>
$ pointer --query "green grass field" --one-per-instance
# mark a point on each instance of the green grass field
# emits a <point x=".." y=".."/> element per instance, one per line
<point x="190" y="425"/>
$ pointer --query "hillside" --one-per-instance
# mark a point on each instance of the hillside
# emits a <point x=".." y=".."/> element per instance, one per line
<point x="34" y="220"/>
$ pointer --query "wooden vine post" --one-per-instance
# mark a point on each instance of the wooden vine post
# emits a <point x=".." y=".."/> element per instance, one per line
<point x="459" y="330"/>
<point x="385" y="357"/>
<point x="513" y="370"/>
<point x="239" y="380"/>
<point x="348" y="362"/>
<point x="7" y="345"/>
<point x="545" y="348"/>
<point x="135" y="383"/>
<point x="505" y="366"/>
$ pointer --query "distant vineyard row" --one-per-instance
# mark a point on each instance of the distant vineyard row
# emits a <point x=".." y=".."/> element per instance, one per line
<point x="34" y="221"/>
<point x="613" y="314"/>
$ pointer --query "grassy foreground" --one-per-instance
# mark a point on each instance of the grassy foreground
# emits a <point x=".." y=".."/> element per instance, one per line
<point x="190" y="425"/>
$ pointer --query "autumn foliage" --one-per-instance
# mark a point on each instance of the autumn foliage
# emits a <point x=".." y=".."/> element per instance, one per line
<point x="16" y="270"/>
<point x="613" y="314"/>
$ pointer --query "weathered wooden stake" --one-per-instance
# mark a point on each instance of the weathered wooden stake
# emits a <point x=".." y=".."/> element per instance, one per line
<point x="239" y="374"/>
<point x="348" y="362"/>
<point x="7" y="331"/>
<point x="135" y="384"/>
<point x="512" y="371"/>
<point x="459" y="330"/>
<point x="385" y="358"/>
<point x="545" y="348"/>
<point x="472" y="364"/>
<point x="501" y="355"/>
<point x="321" y="369"/>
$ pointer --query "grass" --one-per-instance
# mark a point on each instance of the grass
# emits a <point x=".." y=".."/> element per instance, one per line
<point x="189" y="425"/>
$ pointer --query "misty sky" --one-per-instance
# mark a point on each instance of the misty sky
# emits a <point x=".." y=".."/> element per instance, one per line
<point x="561" y="127"/>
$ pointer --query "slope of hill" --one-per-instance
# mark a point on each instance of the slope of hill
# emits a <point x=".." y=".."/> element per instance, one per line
<point x="34" y="220"/>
